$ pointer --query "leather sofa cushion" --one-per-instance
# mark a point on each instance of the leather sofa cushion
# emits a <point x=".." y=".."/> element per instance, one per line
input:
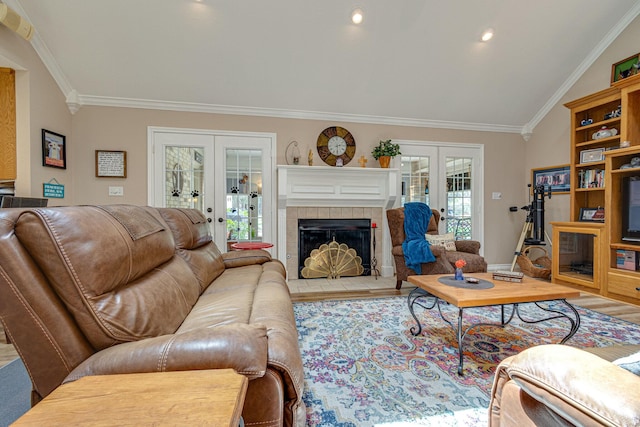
<point x="194" y="244"/>
<point x="114" y="268"/>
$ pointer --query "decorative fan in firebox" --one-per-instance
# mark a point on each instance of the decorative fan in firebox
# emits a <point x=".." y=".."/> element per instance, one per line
<point x="332" y="261"/>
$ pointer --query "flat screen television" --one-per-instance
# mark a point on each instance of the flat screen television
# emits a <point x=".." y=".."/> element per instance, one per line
<point x="631" y="209"/>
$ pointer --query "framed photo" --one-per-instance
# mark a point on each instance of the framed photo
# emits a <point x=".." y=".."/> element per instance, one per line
<point x="111" y="164"/>
<point x="625" y="68"/>
<point x="556" y="177"/>
<point x="591" y="214"/>
<point x="590" y="156"/>
<point x="54" y="150"/>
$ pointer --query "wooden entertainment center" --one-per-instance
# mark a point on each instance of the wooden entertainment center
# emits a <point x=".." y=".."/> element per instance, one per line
<point x="605" y="137"/>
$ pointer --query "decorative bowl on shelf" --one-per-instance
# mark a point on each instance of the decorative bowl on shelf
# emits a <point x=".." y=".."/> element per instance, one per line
<point x="605" y="132"/>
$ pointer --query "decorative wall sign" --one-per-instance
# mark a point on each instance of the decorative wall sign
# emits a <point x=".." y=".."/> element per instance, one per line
<point x="54" y="149"/>
<point x="111" y="164"/>
<point x="53" y="189"/>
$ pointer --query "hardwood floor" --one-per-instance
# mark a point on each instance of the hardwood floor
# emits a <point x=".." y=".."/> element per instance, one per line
<point x="7" y="351"/>
<point x="367" y="287"/>
<point x="312" y="290"/>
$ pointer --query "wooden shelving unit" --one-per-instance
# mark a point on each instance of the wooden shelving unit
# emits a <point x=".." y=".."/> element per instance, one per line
<point x="594" y="108"/>
<point x="589" y="115"/>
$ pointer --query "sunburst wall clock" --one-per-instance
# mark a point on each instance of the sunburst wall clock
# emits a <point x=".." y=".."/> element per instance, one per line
<point x="336" y="145"/>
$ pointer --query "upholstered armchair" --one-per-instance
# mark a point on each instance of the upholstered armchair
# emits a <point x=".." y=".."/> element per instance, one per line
<point x="468" y="250"/>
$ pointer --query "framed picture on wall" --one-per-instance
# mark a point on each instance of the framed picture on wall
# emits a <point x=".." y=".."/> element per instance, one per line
<point x="625" y="68"/>
<point x="111" y="164"/>
<point x="54" y="150"/>
<point x="556" y="177"/>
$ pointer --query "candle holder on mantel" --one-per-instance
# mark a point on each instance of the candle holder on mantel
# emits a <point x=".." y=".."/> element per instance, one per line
<point x="374" y="261"/>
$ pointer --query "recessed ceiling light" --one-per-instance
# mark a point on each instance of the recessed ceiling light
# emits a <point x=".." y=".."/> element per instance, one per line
<point x="487" y="35"/>
<point x="357" y="16"/>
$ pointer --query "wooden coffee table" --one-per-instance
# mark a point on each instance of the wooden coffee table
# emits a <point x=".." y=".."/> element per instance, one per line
<point x="502" y="293"/>
<point x="206" y="397"/>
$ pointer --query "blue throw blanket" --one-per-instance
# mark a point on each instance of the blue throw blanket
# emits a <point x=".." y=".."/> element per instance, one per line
<point x="415" y="247"/>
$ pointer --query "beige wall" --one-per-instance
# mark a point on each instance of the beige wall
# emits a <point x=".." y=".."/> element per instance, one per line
<point x="111" y="128"/>
<point x="39" y="104"/>
<point x="508" y="159"/>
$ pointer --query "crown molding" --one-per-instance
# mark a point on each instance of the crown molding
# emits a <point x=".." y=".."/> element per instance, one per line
<point x="286" y="114"/>
<point x="43" y="52"/>
<point x="527" y="129"/>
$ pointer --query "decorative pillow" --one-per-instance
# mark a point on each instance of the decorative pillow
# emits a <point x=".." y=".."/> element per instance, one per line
<point x="446" y="240"/>
<point x="630" y="363"/>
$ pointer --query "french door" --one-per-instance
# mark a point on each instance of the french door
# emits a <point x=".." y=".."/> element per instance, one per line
<point x="226" y="175"/>
<point x="447" y="177"/>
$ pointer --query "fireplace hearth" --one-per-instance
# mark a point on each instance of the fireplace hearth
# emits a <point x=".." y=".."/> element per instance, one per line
<point x="355" y="233"/>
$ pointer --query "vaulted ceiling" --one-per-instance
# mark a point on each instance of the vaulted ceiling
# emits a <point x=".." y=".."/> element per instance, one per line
<point x="410" y="62"/>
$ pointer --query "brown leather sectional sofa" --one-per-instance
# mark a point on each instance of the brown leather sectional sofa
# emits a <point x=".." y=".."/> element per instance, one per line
<point x="88" y="290"/>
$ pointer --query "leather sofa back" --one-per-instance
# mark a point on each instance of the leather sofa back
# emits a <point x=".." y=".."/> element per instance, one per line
<point x="122" y="284"/>
<point x="194" y="244"/>
<point x="36" y="320"/>
<point x="74" y="280"/>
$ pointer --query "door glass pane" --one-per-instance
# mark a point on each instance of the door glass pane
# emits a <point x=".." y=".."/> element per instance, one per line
<point x="459" y="175"/>
<point x="184" y="177"/>
<point x="244" y="195"/>
<point x="415" y="179"/>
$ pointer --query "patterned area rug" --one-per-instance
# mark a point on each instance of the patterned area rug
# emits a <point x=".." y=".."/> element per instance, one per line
<point x="363" y="367"/>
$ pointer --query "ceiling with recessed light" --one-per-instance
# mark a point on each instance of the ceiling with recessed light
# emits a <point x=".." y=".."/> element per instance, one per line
<point x="409" y="62"/>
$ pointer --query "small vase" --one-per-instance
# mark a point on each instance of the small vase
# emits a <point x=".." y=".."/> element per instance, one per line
<point x="384" y="161"/>
<point x="459" y="275"/>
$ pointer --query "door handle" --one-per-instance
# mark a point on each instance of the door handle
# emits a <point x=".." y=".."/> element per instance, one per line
<point x="219" y="219"/>
<point x="209" y="220"/>
<point x="209" y="210"/>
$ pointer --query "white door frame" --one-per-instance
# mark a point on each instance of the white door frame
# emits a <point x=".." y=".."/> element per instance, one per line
<point x="269" y="203"/>
<point x="475" y="151"/>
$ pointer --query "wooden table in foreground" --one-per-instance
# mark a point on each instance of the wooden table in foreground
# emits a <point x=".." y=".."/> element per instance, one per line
<point x="502" y="293"/>
<point x="208" y="397"/>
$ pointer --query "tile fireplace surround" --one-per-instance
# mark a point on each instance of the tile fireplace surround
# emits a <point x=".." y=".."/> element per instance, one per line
<point x="314" y="192"/>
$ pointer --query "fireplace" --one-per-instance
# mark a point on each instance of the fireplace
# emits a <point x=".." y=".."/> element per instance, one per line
<point x="325" y="192"/>
<point x="355" y="233"/>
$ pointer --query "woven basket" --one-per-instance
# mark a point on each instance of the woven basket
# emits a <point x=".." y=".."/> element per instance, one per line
<point x="539" y="267"/>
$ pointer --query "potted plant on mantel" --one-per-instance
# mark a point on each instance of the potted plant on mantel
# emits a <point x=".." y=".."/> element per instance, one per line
<point x="384" y="151"/>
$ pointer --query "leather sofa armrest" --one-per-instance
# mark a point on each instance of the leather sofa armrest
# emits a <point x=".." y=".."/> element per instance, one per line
<point x="468" y="246"/>
<point x="237" y="346"/>
<point x="577" y="385"/>
<point x="241" y="258"/>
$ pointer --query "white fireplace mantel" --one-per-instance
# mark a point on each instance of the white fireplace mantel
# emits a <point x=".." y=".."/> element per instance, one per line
<point x="327" y="186"/>
<point x="333" y="186"/>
